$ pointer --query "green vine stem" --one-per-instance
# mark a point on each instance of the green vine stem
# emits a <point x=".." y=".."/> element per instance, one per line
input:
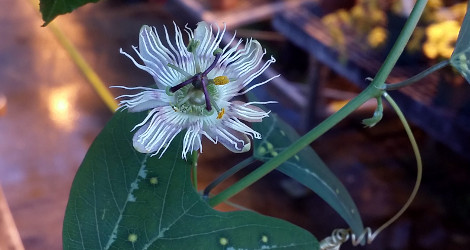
<point x="415" y="78"/>
<point x="375" y="89"/>
<point x="194" y="157"/>
<point x="295" y="147"/>
<point x="241" y="165"/>
<point x="400" y="44"/>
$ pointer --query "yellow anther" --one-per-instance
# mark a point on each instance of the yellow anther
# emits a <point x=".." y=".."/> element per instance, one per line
<point x="221" y="80"/>
<point x="221" y="113"/>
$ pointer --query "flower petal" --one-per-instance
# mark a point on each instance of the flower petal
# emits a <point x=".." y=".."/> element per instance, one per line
<point x="192" y="139"/>
<point x="156" y="56"/>
<point x="233" y="140"/>
<point x="208" y="44"/>
<point x="156" y="135"/>
<point x="244" y="61"/>
<point x="144" y="100"/>
<point x="239" y="126"/>
<point x="201" y="32"/>
<point x="246" y="112"/>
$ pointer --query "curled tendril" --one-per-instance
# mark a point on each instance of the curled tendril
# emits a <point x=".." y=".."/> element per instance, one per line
<point x="339" y="236"/>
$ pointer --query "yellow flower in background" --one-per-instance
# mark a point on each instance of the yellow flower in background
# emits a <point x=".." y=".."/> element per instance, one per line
<point x="330" y="20"/>
<point x="441" y="38"/>
<point x="416" y="41"/>
<point x="432" y="10"/>
<point x="459" y="10"/>
<point x="366" y="20"/>
<point x="357" y="12"/>
<point x="333" y="22"/>
<point x="435" y="4"/>
<point x="378" y="16"/>
<point x="343" y="16"/>
<point x="377" y="36"/>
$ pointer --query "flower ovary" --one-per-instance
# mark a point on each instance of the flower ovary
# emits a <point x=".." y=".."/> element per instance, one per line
<point x="191" y="100"/>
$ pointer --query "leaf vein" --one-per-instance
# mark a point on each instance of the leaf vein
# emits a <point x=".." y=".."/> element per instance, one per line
<point x="121" y="211"/>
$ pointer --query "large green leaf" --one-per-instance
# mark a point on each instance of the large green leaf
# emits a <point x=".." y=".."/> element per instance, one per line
<point x="50" y="9"/>
<point x="121" y="199"/>
<point x="306" y="167"/>
<point x="460" y="58"/>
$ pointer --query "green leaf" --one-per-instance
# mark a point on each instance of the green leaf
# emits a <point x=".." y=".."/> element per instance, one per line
<point x="122" y="199"/>
<point x="306" y="167"/>
<point x="460" y="58"/>
<point x="50" y="9"/>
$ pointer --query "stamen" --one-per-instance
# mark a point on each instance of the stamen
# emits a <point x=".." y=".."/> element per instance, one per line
<point x="186" y="98"/>
<point x="196" y="62"/>
<point x="221" y="114"/>
<point x="180" y="70"/>
<point x="215" y="106"/>
<point x="221" y="80"/>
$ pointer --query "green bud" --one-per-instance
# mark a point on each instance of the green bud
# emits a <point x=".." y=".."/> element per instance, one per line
<point x="261" y="151"/>
<point x="270" y="146"/>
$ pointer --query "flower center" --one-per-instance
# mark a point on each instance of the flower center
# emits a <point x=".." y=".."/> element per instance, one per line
<point x="198" y="94"/>
<point x="192" y="100"/>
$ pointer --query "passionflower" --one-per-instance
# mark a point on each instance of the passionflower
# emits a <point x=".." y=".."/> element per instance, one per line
<point x="195" y="87"/>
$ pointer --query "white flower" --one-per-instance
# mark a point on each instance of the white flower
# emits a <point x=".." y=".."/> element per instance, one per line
<point x="196" y="84"/>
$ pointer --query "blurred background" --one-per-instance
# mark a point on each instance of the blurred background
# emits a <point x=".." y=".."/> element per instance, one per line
<point x="50" y="114"/>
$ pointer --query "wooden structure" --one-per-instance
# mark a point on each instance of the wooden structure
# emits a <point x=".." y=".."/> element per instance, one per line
<point x="438" y="107"/>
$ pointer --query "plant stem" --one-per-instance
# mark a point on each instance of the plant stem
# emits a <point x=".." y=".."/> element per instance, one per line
<point x="101" y="89"/>
<point x="241" y="165"/>
<point x="195" y="156"/>
<point x="92" y="77"/>
<point x="400" y="44"/>
<point x="295" y="147"/>
<point x="375" y="89"/>
<point x="417" y="77"/>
